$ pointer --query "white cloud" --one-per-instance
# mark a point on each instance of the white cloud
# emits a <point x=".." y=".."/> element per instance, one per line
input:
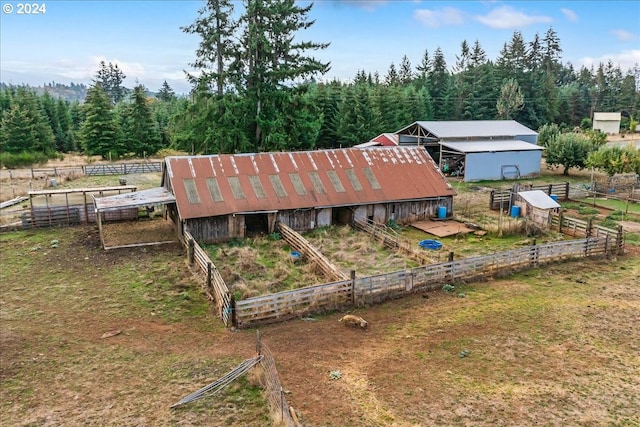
<point x="506" y="17"/>
<point x="627" y="59"/>
<point x="569" y="14"/>
<point x="441" y="17"/>
<point x="623" y="35"/>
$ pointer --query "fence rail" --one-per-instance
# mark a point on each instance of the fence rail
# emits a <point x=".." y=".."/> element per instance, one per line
<point x="299" y="243"/>
<point x="375" y="289"/>
<point x="284" y="414"/>
<point x="214" y="285"/>
<point x="503" y="199"/>
<point x="88" y="170"/>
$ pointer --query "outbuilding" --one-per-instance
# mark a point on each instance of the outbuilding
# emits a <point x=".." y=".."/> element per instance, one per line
<point x="222" y="197"/>
<point x="477" y="149"/>
<point x="537" y="206"/>
<point x="608" y="123"/>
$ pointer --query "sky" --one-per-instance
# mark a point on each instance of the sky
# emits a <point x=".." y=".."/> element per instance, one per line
<point x="66" y="40"/>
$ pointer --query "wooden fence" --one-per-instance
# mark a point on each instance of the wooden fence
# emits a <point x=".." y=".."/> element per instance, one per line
<point x="214" y="285"/>
<point x="577" y="227"/>
<point x="122" y="168"/>
<point x="88" y="170"/>
<point x="503" y="199"/>
<point x="281" y="412"/>
<point x="299" y="243"/>
<point x="375" y="289"/>
<point x="391" y="239"/>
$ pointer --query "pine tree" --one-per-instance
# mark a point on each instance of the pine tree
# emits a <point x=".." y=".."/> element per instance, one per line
<point x="391" y="78"/>
<point x="141" y="134"/>
<point x="166" y="94"/>
<point x="16" y="134"/>
<point x="99" y="131"/>
<point x="405" y="74"/>
<point x="110" y="78"/>
<point x="217" y="49"/>
<point x="42" y="139"/>
<point x="272" y="58"/>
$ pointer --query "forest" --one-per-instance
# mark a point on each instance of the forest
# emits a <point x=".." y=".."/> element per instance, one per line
<point x="260" y="89"/>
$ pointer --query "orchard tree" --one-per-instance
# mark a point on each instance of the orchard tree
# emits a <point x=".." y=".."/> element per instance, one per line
<point x="568" y="150"/>
<point x="613" y="160"/>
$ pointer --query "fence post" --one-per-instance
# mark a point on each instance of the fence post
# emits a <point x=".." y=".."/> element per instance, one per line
<point x="353" y="287"/>
<point x="566" y="191"/>
<point x="258" y="343"/>
<point x="560" y="217"/>
<point x="534" y="253"/>
<point x="234" y="316"/>
<point x="491" y="199"/>
<point x="619" y="240"/>
<point x="209" y="274"/>
<point x="606" y="245"/>
<point x="589" y="225"/>
<point x="450" y="266"/>
<point x="191" y="253"/>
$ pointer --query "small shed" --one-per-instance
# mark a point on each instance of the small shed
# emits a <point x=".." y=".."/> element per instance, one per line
<point x="537" y="206"/>
<point x="608" y="123"/>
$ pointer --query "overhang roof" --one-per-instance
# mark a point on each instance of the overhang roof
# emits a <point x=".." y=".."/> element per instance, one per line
<point x="538" y="199"/>
<point x="153" y="196"/>
<point x="225" y="184"/>
<point x="472" y="128"/>
<point x="491" y="146"/>
<point x="607" y="116"/>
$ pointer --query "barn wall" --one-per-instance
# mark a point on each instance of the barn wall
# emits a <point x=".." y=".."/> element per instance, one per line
<point x="481" y="166"/>
<point x="408" y="212"/>
<point x="361" y="213"/>
<point x="299" y="220"/>
<point x="213" y="229"/>
<point x="323" y="217"/>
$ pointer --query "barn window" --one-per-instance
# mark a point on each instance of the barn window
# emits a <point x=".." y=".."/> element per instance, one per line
<point x="317" y="183"/>
<point x="375" y="185"/>
<point x="333" y="177"/>
<point x="236" y="188"/>
<point x="214" y="190"/>
<point x="192" y="191"/>
<point x="297" y="184"/>
<point x="277" y="185"/>
<point x="353" y="179"/>
<point x="257" y="186"/>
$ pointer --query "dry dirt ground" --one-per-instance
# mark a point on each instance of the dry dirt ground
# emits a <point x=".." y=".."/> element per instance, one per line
<point x="557" y="345"/>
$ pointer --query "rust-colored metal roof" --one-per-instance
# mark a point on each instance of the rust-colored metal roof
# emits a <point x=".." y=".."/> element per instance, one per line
<point x="225" y="184"/>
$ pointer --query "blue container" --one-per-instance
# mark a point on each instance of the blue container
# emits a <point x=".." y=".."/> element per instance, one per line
<point x="295" y="256"/>
<point x="430" y="244"/>
<point x="442" y="212"/>
<point x="515" y="211"/>
<point x="554" y="197"/>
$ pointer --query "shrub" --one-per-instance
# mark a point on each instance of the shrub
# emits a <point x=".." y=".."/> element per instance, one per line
<point x="21" y="160"/>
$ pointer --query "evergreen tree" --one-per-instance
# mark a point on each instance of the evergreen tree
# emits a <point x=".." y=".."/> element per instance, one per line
<point x="41" y="138"/>
<point x="405" y="74"/>
<point x="218" y="48"/>
<point x="439" y="87"/>
<point x="65" y="134"/>
<point x="99" y="131"/>
<point x="392" y="76"/>
<point x="16" y="134"/>
<point x="166" y="94"/>
<point x="110" y="78"/>
<point x="141" y="134"/>
<point x="271" y="58"/>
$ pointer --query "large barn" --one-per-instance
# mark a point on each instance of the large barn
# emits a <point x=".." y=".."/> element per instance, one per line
<point x="221" y="197"/>
<point x="477" y="149"/>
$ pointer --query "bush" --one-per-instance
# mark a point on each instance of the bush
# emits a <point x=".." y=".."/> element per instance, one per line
<point x="21" y="160"/>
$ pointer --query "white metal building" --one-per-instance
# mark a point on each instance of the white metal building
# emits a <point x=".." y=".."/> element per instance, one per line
<point x="608" y="123"/>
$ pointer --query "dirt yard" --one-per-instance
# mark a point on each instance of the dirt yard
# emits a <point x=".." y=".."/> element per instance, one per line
<point x="557" y="345"/>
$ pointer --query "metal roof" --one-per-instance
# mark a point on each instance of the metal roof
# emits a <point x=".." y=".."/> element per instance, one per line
<point x="473" y="128"/>
<point x="538" y="199"/>
<point x="153" y="196"/>
<point x="225" y="184"/>
<point x="491" y="146"/>
<point x="607" y="116"/>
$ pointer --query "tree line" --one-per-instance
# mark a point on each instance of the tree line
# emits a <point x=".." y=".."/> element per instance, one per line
<point x="257" y="87"/>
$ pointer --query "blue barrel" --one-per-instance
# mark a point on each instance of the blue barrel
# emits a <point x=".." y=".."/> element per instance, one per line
<point x="554" y="197"/>
<point x="442" y="212"/>
<point x="515" y="211"/>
